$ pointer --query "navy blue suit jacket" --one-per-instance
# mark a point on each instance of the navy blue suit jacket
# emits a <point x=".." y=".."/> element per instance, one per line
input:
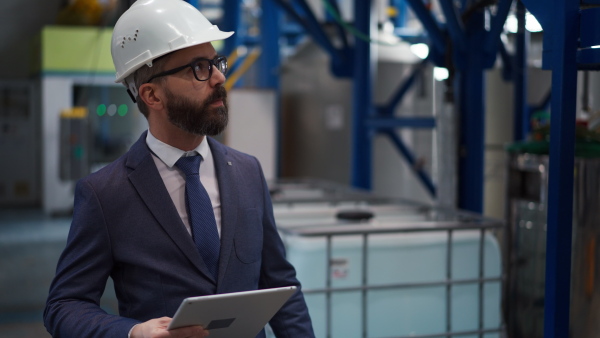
<point x="125" y="226"/>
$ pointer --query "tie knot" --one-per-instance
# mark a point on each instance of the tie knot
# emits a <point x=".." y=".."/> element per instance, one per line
<point x="190" y="165"/>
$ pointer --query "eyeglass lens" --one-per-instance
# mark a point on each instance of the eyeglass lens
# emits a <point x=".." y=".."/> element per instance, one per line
<point x="203" y="70"/>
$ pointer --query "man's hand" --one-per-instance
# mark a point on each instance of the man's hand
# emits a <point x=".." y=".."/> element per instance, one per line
<point x="157" y="328"/>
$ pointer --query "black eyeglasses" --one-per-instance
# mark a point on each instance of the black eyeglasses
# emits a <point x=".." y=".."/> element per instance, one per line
<point x="201" y="67"/>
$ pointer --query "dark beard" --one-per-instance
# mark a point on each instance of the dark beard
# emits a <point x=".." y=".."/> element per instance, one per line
<point x="203" y="120"/>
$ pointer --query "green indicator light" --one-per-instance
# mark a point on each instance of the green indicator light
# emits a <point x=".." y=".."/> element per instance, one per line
<point x="78" y="152"/>
<point x="101" y="110"/>
<point x="123" y="110"/>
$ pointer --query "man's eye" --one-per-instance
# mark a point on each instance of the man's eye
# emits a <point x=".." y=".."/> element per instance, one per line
<point x="199" y="66"/>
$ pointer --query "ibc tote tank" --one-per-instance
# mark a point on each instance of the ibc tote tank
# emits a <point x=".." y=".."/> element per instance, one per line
<point x="396" y="287"/>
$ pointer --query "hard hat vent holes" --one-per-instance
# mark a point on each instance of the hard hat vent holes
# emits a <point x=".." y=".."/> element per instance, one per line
<point x="129" y="38"/>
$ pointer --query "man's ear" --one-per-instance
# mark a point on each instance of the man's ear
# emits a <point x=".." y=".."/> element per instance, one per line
<point x="150" y="93"/>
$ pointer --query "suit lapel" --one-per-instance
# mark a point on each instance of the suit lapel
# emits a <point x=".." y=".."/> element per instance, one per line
<point x="150" y="186"/>
<point x="225" y="170"/>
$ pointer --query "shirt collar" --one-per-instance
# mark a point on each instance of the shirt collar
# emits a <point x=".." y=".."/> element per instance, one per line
<point x="169" y="154"/>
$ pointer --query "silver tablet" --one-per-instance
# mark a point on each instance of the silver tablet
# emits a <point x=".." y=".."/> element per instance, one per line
<point x="232" y="315"/>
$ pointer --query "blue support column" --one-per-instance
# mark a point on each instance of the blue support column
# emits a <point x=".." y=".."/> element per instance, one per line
<point x="270" y="32"/>
<point x="521" y="116"/>
<point x="232" y="22"/>
<point x="269" y="63"/>
<point x="362" y="99"/>
<point x="472" y="123"/>
<point x="560" y="189"/>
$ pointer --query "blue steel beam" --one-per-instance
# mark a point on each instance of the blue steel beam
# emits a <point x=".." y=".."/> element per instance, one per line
<point x="590" y="30"/>
<point x="521" y="117"/>
<point x="400" y="122"/>
<point x="472" y="124"/>
<point x="232" y="22"/>
<point x="317" y="29"/>
<point x="438" y="39"/>
<point x="340" y="29"/>
<point x="400" y="19"/>
<point x="561" y="166"/>
<point x="314" y="30"/>
<point x="194" y="3"/>
<point x="589" y="58"/>
<point x="455" y="26"/>
<point x="362" y="98"/>
<point x="493" y="39"/>
<point x="270" y="32"/>
<point x="404" y="87"/>
<point x="507" y="62"/>
<point x="269" y="63"/>
<point x="410" y="158"/>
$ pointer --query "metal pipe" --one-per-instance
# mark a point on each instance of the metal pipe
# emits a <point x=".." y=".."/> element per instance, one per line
<point x="405" y="285"/>
<point x="364" y="284"/>
<point x="328" y="327"/>
<point x="347" y="230"/>
<point x="480" y="284"/>
<point x="449" y="285"/>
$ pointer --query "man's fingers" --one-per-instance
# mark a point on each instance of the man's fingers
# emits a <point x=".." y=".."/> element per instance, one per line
<point x="189" y="331"/>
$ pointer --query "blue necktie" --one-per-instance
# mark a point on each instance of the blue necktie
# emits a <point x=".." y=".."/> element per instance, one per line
<point x="200" y="213"/>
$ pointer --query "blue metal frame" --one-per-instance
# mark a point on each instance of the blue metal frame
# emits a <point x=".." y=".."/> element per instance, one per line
<point x="435" y="33"/>
<point x="521" y="117"/>
<point x="472" y="123"/>
<point x="562" y="150"/>
<point x="362" y="99"/>
<point x="232" y="22"/>
<point x="410" y="158"/>
<point x="269" y="63"/>
<point x="561" y="22"/>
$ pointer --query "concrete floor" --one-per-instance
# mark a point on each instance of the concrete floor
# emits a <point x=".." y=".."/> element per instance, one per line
<point x="30" y="245"/>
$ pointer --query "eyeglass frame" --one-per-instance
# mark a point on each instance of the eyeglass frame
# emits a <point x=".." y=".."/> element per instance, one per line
<point x="211" y="63"/>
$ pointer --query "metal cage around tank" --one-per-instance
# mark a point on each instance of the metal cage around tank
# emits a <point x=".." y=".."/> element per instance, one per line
<point x="369" y="264"/>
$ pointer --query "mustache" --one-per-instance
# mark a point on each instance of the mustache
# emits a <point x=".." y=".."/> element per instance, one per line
<point x="218" y="94"/>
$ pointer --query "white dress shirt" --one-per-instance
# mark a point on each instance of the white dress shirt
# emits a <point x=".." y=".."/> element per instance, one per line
<point x="165" y="156"/>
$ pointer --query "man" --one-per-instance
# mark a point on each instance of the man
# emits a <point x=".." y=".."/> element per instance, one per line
<point x="146" y="220"/>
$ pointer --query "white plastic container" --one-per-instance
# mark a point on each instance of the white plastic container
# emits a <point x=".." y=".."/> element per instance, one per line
<point x="394" y="258"/>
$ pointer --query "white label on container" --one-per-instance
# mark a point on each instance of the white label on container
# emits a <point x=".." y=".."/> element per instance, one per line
<point x="339" y="268"/>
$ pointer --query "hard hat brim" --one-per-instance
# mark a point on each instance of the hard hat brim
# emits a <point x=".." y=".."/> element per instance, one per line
<point x="216" y="35"/>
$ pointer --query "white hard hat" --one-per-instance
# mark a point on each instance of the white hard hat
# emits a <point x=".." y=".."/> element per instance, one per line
<point x="152" y="28"/>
